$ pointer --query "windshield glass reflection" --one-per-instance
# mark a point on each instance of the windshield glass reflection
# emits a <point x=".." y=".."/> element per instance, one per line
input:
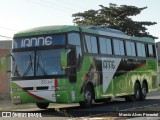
<point x="46" y="62"/>
<point x="23" y="64"/>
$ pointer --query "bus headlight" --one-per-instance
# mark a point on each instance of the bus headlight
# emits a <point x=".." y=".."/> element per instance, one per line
<point x="61" y="88"/>
<point x="58" y="88"/>
<point x="16" y="89"/>
<point x="16" y="100"/>
<point x="16" y="97"/>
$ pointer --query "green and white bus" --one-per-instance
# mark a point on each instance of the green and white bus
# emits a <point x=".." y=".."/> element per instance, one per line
<point x="71" y="64"/>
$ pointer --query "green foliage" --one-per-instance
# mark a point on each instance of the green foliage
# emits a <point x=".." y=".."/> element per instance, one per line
<point x="116" y="17"/>
<point x="3" y="61"/>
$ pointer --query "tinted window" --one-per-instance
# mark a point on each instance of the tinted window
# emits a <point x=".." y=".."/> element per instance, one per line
<point x="121" y="44"/>
<point x="141" y="50"/>
<point x="88" y="47"/>
<point x="130" y="48"/>
<point x="133" y="49"/>
<point x="90" y="44"/>
<point x="48" y="62"/>
<point x="118" y="47"/>
<point x="151" y="51"/>
<point x="43" y="62"/>
<point x="105" y="45"/>
<point x="23" y="63"/>
<point x="73" y="39"/>
<point x="94" y="45"/>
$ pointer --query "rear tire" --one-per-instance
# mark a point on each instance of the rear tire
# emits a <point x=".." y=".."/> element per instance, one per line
<point x="88" y="97"/>
<point x="137" y="92"/>
<point x="143" y="91"/>
<point x="42" y="105"/>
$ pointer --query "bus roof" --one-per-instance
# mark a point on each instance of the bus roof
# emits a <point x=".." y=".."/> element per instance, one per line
<point x="114" y="33"/>
<point x="87" y="29"/>
<point x="46" y="30"/>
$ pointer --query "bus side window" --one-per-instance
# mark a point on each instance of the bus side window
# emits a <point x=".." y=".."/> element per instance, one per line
<point x="90" y="44"/>
<point x="141" y="52"/>
<point x="154" y="51"/>
<point x="130" y="48"/>
<point x="74" y="39"/>
<point x="105" y="45"/>
<point x="150" y="50"/>
<point x="118" y="47"/>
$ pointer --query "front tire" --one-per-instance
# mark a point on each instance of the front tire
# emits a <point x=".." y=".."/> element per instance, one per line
<point x="88" y="97"/>
<point x="42" y="105"/>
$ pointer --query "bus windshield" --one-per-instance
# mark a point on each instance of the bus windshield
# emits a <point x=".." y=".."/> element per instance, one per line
<point x="37" y="63"/>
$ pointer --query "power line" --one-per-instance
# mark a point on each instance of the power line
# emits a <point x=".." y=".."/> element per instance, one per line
<point x="72" y="4"/>
<point x="37" y="3"/>
<point x="6" y="36"/>
<point x="48" y="5"/>
<point x="8" y="29"/>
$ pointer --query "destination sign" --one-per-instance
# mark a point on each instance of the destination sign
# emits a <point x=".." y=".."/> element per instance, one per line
<point x="39" y="41"/>
<point x="29" y="42"/>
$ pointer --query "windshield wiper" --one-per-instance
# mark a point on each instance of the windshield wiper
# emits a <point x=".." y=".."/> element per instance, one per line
<point x="41" y="67"/>
<point x="30" y="66"/>
<point x="16" y="72"/>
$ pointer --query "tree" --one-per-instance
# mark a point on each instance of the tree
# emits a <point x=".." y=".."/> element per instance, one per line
<point x="116" y="17"/>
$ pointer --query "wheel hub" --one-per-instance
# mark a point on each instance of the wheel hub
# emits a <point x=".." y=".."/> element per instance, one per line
<point x="144" y="91"/>
<point x="88" y="96"/>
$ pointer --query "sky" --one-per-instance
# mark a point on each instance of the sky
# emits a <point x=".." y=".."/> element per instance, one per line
<point x="17" y="15"/>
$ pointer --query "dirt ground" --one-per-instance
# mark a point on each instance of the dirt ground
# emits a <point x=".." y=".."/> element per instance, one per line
<point x="7" y="105"/>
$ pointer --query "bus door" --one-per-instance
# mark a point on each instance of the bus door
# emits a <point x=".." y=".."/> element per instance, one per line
<point x="72" y="66"/>
<point x="72" y="71"/>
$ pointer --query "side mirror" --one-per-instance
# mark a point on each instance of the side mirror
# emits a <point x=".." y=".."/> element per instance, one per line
<point x="64" y="58"/>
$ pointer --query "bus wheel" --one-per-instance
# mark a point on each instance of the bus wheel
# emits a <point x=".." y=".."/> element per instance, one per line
<point x="137" y="92"/>
<point x="88" y="96"/>
<point x="143" y="91"/>
<point x="42" y="105"/>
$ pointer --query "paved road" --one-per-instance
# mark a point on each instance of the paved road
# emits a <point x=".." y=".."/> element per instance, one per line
<point x="117" y="104"/>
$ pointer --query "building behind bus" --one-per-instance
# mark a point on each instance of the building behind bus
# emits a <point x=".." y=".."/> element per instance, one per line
<point x="5" y="48"/>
